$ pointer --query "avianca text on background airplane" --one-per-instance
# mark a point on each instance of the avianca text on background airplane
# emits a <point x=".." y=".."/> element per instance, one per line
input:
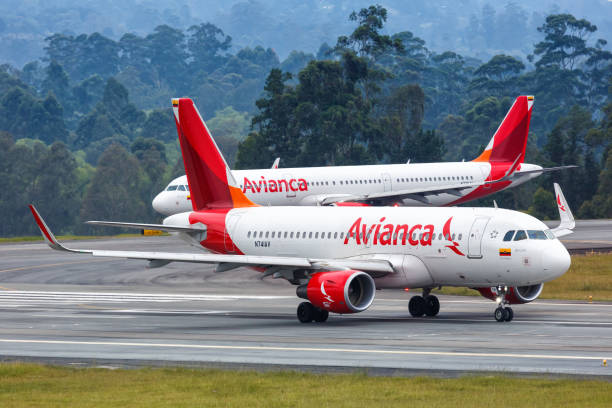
<point x="339" y="256"/>
<point x="429" y="184"/>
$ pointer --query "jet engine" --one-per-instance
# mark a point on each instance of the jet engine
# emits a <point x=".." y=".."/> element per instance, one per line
<point x="339" y="291"/>
<point x="516" y="294"/>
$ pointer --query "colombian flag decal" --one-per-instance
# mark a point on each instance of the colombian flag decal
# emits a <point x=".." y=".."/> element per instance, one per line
<point x="505" y="252"/>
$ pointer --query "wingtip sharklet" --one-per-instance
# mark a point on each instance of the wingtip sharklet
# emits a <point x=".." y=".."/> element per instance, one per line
<point x="568" y="222"/>
<point x="48" y="235"/>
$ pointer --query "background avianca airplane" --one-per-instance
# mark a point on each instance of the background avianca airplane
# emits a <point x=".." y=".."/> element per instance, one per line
<point x="428" y="184"/>
<point x="339" y="256"/>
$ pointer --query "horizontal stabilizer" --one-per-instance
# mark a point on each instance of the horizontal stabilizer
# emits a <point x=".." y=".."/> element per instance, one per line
<point x="544" y="170"/>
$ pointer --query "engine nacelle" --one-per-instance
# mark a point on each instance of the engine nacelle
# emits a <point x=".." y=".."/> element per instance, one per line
<point x="339" y="291"/>
<point x="516" y="294"/>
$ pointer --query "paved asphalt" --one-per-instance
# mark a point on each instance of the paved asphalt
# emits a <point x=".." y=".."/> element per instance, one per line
<point x="74" y="308"/>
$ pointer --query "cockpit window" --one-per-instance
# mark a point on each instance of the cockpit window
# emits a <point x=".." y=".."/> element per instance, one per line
<point x="520" y="235"/>
<point x="172" y="188"/>
<point x="187" y="188"/>
<point x="549" y="234"/>
<point x="535" y="234"/>
<point x="181" y="188"/>
<point x="508" y="236"/>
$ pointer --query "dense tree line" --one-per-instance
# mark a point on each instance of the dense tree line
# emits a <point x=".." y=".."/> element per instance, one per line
<point x="87" y="130"/>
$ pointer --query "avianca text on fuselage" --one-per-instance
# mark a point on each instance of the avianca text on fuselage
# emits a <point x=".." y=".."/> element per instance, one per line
<point x="273" y="186"/>
<point x="397" y="234"/>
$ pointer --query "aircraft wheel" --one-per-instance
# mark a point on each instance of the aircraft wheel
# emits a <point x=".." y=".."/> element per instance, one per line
<point x="500" y="314"/>
<point x="432" y="305"/>
<point x="305" y="312"/>
<point x="416" y="306"/>
<point x="510" y="314"/>
<point x="320" y="315"/>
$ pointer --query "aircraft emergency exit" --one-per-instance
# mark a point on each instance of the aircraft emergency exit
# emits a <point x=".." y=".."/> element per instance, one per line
<point x="338" y="256"/>
<point x="500" y="166"/>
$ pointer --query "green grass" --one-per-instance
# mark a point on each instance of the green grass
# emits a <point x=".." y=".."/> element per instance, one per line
<point x="589" y="275"/>
<point x="30" y="385"/>
<point x="67" y="237"/>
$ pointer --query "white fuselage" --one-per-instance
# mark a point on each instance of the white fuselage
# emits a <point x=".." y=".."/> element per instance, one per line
<point x="309" y="185"/>
<point x="443" y="246"/>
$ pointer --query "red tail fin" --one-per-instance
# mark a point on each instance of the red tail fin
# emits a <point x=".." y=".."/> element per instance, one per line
<point x="510" y="140"/>
<point x="211" y="183"/>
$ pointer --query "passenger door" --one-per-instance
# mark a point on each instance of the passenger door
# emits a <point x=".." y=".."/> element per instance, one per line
<point x="475" y="237"/>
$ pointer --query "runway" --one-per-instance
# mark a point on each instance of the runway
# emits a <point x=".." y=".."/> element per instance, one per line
<point x="589" y="235"/>
<point x="75" y="308"/>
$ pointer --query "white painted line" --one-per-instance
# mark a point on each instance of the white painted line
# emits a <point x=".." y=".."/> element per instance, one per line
<point x="126" y="295"/>
<point x="305" y="349"/>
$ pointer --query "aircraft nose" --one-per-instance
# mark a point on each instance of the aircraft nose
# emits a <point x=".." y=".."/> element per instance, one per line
<point x="556" y="261"/>
<point x="159" y="204"/>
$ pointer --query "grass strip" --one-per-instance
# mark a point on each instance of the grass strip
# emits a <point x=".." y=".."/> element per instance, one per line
<point x="32" y="385"/>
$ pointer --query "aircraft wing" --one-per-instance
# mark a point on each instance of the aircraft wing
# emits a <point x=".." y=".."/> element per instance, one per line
<point x="567" y="224"/>
<point x="387" y="197"/>
<point x="225" y="262"/>
<point x="160" y="227"/>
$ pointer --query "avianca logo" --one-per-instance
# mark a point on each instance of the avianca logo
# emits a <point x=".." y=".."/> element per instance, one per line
<point x="561" y="206"/>
<point x="447" y="234"/>
<point x="326" y="296"/>
<point x="273" y="186"/>
<point x="390" y="234"/>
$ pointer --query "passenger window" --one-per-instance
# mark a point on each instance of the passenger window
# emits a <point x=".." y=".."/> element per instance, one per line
<point x="508" y="236"/>
<point x="520" y="235"/>
<point x="249" y="234"/>
<point x="291" y="235"/>
<point x="273" y="232"/>
<point x="267" y="232"/>
<point x="260" y="234"/>
<point x="453" y="236"/>
<point x="285" y="234"/>
<point x="341" y="235"/>
<point x="459" y="237"/>
<point x="310" y="235"/>
<point x="297" y="235"/>
<point x="329" y="235"/>
<point x="172" y="188"/>
<point x="335" y="235"/>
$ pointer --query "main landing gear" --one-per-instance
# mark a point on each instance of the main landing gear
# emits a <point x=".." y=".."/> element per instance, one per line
<point x="427" y="304"/>
<point x="307" y="312"/>
<point x="503" y="313"/>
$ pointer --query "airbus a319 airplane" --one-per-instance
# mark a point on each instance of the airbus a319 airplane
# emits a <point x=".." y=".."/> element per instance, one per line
<point x="500" y="166"/>
<point x="338" y="256"/>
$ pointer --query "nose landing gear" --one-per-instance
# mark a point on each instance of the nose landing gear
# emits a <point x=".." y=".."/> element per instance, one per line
<point x="503" y="313"/>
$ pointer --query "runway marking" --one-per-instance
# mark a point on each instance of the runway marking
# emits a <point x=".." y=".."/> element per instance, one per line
<point x="128" y="296"/>
<point x="3" y="288"/>
<point x="307" y="349"/>
<point x="24" y="268"/>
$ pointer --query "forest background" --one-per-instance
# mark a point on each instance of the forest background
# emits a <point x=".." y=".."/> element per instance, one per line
<point x="86" y="129"/>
